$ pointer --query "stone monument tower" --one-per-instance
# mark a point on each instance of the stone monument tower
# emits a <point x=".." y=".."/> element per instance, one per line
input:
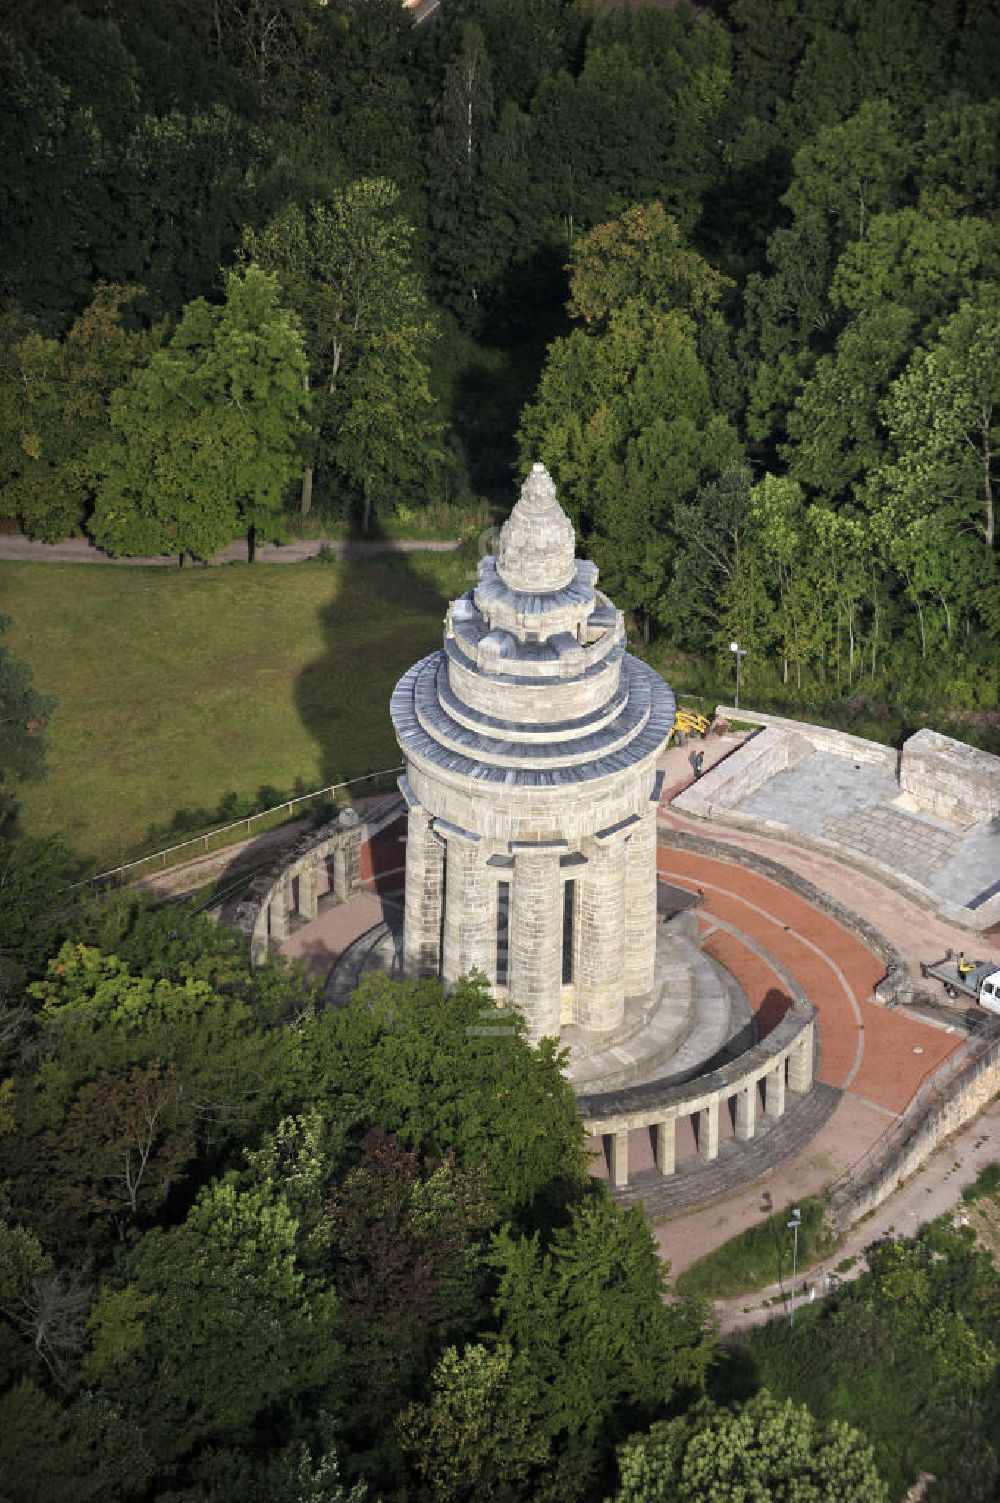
<point x="530" y="742"/>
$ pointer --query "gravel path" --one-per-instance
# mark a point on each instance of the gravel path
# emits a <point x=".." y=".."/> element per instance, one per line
<point x="82" y="551"/>
<point x="934" y="1190"/>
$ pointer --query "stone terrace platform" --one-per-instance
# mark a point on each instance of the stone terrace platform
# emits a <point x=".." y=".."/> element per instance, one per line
<point x="926" y="820"/>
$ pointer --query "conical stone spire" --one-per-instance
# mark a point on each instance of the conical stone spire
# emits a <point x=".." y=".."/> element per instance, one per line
<point x="536" y="551"/>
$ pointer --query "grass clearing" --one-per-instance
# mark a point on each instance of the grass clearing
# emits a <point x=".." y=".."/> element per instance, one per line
<point x="761" y="1255"/>
<point x="177" y="687"/>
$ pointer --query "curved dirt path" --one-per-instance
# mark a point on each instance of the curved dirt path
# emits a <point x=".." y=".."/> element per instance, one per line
<point x="82" y="551"/>
<point x="933" y="1191"/>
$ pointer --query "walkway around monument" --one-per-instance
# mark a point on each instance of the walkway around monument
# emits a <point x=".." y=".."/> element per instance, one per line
<point x="83" y="551"/>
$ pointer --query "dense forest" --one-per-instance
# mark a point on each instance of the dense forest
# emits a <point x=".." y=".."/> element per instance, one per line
<point x="257" y="1251"/>
<point x="731" y="272"/>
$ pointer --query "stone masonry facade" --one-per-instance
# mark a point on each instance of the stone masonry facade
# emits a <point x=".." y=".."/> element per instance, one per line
<point x="530" y="740"/>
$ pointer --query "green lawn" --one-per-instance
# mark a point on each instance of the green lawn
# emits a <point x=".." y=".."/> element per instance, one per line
<point x="759" y="1256"/>
<point x="178" y="686"/>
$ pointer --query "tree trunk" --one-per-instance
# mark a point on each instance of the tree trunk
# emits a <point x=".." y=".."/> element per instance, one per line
<point x="180" y="560"/>
<point x="306" y="498"/>
<point x="988" y="480"/>
<point x="251" y="544"/>
<point x="366" y="515"/>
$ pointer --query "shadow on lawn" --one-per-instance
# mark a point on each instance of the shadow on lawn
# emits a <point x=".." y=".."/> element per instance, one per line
<point x="383" y="613"/>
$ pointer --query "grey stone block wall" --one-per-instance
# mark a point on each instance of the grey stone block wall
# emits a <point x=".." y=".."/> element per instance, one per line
<point x="470" y="912"/>
<point x="956" y="782"/>
<point x="424" y="880"/>
<point x="640" y="906"/>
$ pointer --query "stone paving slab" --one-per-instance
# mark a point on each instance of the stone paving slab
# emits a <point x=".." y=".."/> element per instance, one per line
<point x="914" y="845"/>
<point x="818" y="788"/>
<point x="858" y="806"/>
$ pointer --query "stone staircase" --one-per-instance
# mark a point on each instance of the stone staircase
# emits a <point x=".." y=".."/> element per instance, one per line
<point x="700" y="1012"/>
<point x="378" y="949"/>
<point x="738" y="1164"/>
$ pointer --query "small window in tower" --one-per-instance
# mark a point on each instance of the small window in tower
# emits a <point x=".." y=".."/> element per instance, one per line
<point x="503" y="930"/>
<point x="569" y="897"/>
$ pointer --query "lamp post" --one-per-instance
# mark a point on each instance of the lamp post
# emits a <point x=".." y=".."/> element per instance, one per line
<point x="737" y="652"/>
<point x="793" y="1227"/>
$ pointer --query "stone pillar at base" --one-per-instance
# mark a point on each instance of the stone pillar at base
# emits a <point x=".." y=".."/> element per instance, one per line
<point x="746" y="1113"/>
<point x="800" y="1062"/>
<point x="618" y="1166"/>
<point x="339" y="879"/>
<point x="277" y="913"/>
<point x="708" y="1133"/>
<point x="774" y="1092"/>
<point x="469" y="911"/>
<point x="535" y="939"/>
<point x="424" y="881"/>
<point x="666" y="1145"/>
<point x="640" y="907"/>
<point x="600" y="974"/>
<point x="308" y="902"/>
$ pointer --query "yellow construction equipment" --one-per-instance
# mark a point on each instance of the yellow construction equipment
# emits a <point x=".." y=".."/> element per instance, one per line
<point x="690" y="723"/>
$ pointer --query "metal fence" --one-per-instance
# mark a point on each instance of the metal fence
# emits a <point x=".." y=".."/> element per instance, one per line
<point x="243" y="825"/>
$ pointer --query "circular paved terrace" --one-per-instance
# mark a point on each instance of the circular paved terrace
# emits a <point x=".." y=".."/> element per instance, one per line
<point x="775" y="943"/>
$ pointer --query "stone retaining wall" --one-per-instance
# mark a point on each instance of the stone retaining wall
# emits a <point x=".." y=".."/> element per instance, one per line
<point x="956" y="782"/>
<point x="766" y="753"/>
<point x="819" y="737"/>
<point x="954" y="1096"/>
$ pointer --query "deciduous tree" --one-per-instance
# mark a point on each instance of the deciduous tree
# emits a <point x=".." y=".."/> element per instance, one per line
<point x="205" y="438"/>
<point x="760" y="1451"/>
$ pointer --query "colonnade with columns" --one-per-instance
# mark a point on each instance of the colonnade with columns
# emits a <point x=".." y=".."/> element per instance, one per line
<point x="566" y="930"/>
<point x="781" y="1064"/>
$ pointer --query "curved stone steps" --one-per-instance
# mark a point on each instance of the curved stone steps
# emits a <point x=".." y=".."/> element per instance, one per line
<point x="378" y="949"/>
<point x="689" y="1026"/>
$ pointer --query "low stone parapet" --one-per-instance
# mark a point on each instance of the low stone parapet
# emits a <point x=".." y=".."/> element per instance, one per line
<point x="819" y="737"/>
<point x="956" y="1094"/>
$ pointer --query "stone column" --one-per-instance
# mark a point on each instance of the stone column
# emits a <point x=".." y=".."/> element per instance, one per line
<point x="618" y="1167"/>
<point x="424" y="882"/>
<point x="469" y="911"/>
<point x="277" y="920"/>
<point x="746" y="1113"/>
<point x="800" y="1062"/>
<point x="640" y="907"/>
<point x="600" y="968"/>
<point x="666" y="1145"/>
<point x="535" y="943"/>
<point x="258" y="941"/>
<point x="339" y="877"/>
<point x="708" y="1133"/>
<point x="774" y="1092"/>
<point x="308" y="903"/>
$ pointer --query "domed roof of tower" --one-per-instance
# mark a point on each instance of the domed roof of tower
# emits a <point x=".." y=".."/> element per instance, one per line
<point x="536" y="551"/>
